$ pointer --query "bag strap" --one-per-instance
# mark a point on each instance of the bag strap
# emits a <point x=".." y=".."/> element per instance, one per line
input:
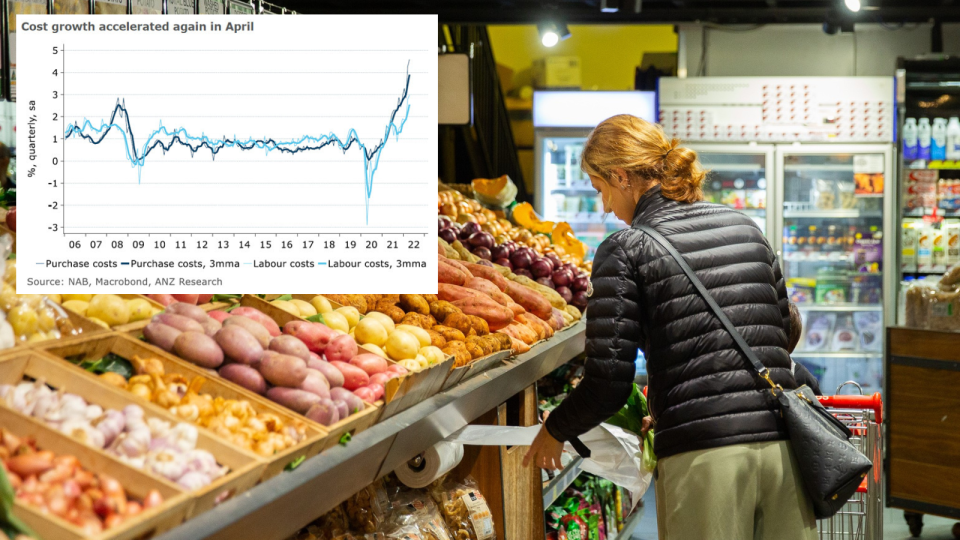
<point x="708" y="298"/>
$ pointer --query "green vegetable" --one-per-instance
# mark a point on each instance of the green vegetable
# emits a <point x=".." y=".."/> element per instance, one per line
<point x="316" y="318"/>
<point x="284" y="297"/>
<point x="225" y="297"/>
<point x="345" y="439"/>
<point x="630" y="418"/>
<point x="9" y="524"/>
<point x="295" y="463"/>
<point x="110" y="362"/>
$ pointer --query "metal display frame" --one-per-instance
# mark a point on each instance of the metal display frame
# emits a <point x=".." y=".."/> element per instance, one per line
<point x="281" y="506"/>
<point x="768" y="151"/>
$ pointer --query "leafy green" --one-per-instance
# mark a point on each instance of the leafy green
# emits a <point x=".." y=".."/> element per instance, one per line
<point x="295" y="463"/>
<point x="630" y="418"/>
<point x="284" y="297"/>
<point x="225" y="297"/>
<point x="110" y="362"/>
<point x="317" y="318"/>
<point x="346" y="438"/>
<point x="9" y="523"/>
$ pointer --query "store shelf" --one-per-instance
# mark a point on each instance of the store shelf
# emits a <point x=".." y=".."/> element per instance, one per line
<point x="846" y="308"/>
<point x="852" y="354"/>
<point x="819" y="257"/>
<point x="281" y="506"/>
<point x="632" y="522"/>
<point x="561" y="482"/>
<point x="833" y="214"/>
<point x="814" y="167"/>
<point x="732" y="167"/>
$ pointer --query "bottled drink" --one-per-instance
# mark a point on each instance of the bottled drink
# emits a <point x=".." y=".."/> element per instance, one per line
<point x="953" y="139"/>
<point x="924" y="137"/>
<point x="910" y="142"/>
<point x="938" y="139"/>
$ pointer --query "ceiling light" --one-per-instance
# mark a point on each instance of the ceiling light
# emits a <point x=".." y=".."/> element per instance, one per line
<point x="553" y="33"/>
<point x="609" y="6"/>
<point x="852" y="5"/>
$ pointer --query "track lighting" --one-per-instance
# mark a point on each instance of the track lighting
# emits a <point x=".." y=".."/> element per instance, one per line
<point x="552" y="33"/>
<point x="852" y="5"/>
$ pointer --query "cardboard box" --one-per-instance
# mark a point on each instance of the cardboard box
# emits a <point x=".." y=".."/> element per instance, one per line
<point x="557" y="72"/>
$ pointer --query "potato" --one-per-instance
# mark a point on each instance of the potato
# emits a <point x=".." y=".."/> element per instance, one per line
<point x="314" y="335"/>
<point x="253" y="327"/>
<point x="184" y="324"/>
<point x="336" y="321"/>
<point x="342" y="408"/>
<point x="351" y="314"/>
<point x="441" y="308"/>
<point x="324" y="412"/>
<point x="293" y="399"/>
<point x="80" y="307"/>
<point x="384" y="319"/>
<point x="140" y="309"/>
<point x="239" y="345"/>
<point x="291" y="345"/>
<point x="210" y="326"/>
<point x="396" y="314"/>
<point x="286" y="306"/>
<point x="449" y="334"/>
<point x="376" y="378"/>
<point x="80" y="297"/>
<point x="245" y="376"/>
<point x="187" y="310"/>
<point x="341" y="348"/>
<point x="316" y="383"/>
<point x="436" y="339"/>
<point x="433" y="355"/>
<point x="219" y="315"/>
<point x="332" y="374"/>
<point x="410" y="364"/>
<point x="321" y="304"/>
<point x="187" y="298"/>
<point x="422" y="336"/>
<point x="354" y="404"/>
<point x="161" y="335"/>
<point x="260" y="317"/>
<point x="199" y="349"/>
<point x="371" y="330"/>
<point x="305" y="309"/>
<point x="162" y="299"/>
<point x="415" y="303"/>
<point x="367" y="394"/>
<point x="282" y="369"/>
<point x="369" y="363"/>
<point x="402" y="345"/>
<point x="370" y="347"/>
<point x="109" y="308"/>
<point x="353" y="377"/>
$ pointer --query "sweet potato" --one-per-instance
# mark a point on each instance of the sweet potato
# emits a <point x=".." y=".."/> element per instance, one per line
<point x="557" y="321"/>
<point x="517" y="346"/>
<point x="521" y="332"/>
<point x="489" y="274"/>
<point x="198" y="348"/>
<point x="463" y="252"/>
<point x="458" y="264"/>
<point x="531" y="300"/>
<point x="414" y="303"/>
<point x="496" y="315"/>
<point x="353" y="377"/>
<point x="282" y="369"/>
<point x="245" y="376"/>
<point x="239" y="345"/>
<point x="452" y="293"/>
<point x="445" y="249"/>
<point x="293" y="398"/>
<point x="549" y="294"/>
<point x="573" y="312"/>
<point x="487" y="287"/>
<point x="542" y="329"/>
<point x="447" y="273"/>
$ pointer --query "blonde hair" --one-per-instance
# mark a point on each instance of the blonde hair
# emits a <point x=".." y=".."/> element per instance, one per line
<point x="645" y="153"/>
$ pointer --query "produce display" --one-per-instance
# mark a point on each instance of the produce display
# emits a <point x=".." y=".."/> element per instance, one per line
<point x="249" y="348"/>
<point x="59" y="486"/>
<point x="30" y="317"/>
<point x="152" y="444"/>
<point x="235" y="420"/>
<point x="109" y="310"/>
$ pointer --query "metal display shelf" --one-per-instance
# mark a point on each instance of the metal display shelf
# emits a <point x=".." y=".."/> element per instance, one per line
<point x="281" y="506"/>
<point x="561" y="482"/>
<point x="841" y="354"/>
<point x="845" y="307"/>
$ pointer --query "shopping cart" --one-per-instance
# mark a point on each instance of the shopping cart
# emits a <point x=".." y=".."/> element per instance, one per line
<point x="862" y="517"/>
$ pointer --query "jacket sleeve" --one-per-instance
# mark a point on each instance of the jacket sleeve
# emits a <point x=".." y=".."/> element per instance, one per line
<point x="613" y="336"/>
<point x="782" y="299"/>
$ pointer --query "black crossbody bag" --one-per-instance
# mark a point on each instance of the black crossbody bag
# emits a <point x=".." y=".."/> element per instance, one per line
<point x="830" y="466"/>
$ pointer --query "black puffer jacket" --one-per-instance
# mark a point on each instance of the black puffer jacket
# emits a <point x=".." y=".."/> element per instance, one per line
<point x="702" y="392"/>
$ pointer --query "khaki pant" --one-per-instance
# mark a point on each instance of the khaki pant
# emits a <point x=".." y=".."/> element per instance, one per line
<point x="740" y="492"/>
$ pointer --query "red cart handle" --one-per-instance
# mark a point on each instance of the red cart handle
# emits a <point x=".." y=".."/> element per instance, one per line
<point x="873" y="402"/>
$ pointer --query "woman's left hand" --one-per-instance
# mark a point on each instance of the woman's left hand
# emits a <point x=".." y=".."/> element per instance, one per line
<point x="544" y="452"/>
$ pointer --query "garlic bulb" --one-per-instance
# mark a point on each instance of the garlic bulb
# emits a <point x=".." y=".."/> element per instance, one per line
<point x="167" y="462"/>
<point x="111" y="424"/>
<point x="193" y="481"/>
<point x="81" y="430"/>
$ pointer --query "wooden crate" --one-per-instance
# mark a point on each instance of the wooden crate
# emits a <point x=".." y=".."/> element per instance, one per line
<point x="401" y="393"/>
<point x="245" y="468"/>
<point x="84" y="327"/>
<point x="176" y="503"/>
<point x="127" y="347"/>
<point x="478" y="366"/>
<point x="353" y="424"/>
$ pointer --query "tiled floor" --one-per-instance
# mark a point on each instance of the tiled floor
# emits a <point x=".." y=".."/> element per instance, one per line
<point x="894" y="527"/>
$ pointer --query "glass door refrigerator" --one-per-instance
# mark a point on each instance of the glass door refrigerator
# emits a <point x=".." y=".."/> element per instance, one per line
<point x="741" y="177"/>
<point x="562" y="122"/>
<point x="837" y="216"/>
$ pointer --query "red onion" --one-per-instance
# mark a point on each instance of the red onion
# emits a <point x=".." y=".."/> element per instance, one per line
<point x="566" y="293"/>
<point x="545" y="281"/>
<point x="442" y="222"/>
<point x="562" y="277"/>
<point x="521" y="259"/>
<point x="504" y="262"/>
<point x="523" y="272"/>
<point x="581" y="284"/>
<point x="500" y="252"/>
<point x="557" y="263"/>
<point x="449" y="235"/>
<point x="470" y="228"/>
<point x="579" y="300"/>
<point x="482" y="252"/>
<point x="541" y="268"/>
<point x="481" y="239"/>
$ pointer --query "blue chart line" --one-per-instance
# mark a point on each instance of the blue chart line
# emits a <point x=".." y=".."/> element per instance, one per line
<point x="137" y="157"/>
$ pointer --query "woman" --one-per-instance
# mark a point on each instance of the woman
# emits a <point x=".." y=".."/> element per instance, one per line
<point x="726" y="469"/>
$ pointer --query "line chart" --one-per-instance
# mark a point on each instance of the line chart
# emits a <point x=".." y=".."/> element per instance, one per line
<point x="294" y="140"/>
<point x="180" y="136"/>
